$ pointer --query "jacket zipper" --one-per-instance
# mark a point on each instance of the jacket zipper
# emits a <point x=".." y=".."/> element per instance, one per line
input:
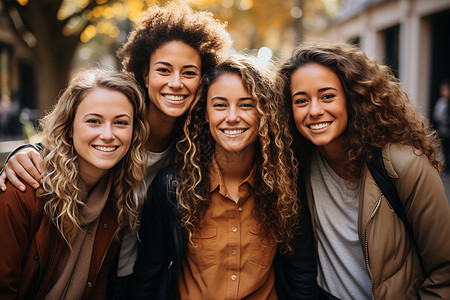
<point x="366" y="247"/>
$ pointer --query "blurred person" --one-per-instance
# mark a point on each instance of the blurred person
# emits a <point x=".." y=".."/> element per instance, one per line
<point x="345" y="107"/>
<point x="441" y="115"/>
<point x="167" y="53"/>
<point x="59" y="241"/>
<point x="213" y="225"/>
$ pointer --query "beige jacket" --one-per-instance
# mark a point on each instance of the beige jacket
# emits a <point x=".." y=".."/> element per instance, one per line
<point x="391" y="259"/>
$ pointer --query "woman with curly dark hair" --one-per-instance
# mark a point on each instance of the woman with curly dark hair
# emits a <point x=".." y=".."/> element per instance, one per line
<point x="168" y="52"/>
<point x="213" y="226"/>
<point x="345" y="107"/>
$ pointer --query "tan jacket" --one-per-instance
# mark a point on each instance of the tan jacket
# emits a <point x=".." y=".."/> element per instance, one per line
<point x="391" y="259"/>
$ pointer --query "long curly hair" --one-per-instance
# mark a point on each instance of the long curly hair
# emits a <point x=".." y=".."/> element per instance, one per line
<point x="174" y="21"/>
<point x="276" y="199"/>
<point x="61" y="179"/>
<point x="379" y="111"/>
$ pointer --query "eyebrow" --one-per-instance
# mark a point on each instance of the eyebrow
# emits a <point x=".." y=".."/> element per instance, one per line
<point x="101" y="116"/>
<point x="170" y="65"/>
<point x="319" y="91"/>
<point x="225" y="99"/>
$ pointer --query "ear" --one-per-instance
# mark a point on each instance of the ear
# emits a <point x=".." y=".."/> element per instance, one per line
<point x="145" y="75"/>
<point x="206" y="117"/>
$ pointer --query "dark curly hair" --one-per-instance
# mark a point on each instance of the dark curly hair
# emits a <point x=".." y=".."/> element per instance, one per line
<point x="379" y="111"/>
<point x="175" y="21"/>
<point x="276" y="204"/>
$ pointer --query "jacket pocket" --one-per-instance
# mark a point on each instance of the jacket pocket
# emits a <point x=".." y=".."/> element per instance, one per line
<point x="262" y="251"/>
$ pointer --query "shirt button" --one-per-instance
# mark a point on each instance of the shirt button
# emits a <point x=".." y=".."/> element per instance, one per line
<point x="233" y="277"/>
<point x="105" y="226"/>
<point x="240" y="209"/>
<point x="234" y="252"/>
<point x="89" y="284"/>
<point x="234" y="229"/>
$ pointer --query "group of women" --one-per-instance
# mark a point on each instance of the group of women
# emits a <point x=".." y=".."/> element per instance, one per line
<point x="257" y="183"/>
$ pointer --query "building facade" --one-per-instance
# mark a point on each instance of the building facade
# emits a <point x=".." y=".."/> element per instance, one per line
<point x="411" y="36"/>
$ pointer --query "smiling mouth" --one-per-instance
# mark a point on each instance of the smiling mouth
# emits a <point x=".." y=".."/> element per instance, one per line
<point x="105" y="148"/>
<point x="175" y="97"/>
<point x="233" y="132"/>
<point x="319" y="125"/>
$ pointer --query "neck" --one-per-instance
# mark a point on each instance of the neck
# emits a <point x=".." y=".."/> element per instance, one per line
<point x="235" y="166"/>
<point x="335" y="158"/>
<point x="91" y="180"/>
<point x="162" y="128"/>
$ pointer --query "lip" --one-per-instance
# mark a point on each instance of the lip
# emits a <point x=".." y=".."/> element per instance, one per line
<point x="105" y="149"/>
<point x="233" y="132"/>
<point x="175" y="98"/>
<point x="319" y="126"/>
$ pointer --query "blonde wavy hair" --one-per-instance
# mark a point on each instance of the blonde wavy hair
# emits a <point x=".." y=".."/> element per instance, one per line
<point x="379" y="111"/>
<point x="61" y="178"/>
<point x="276" y="199"/>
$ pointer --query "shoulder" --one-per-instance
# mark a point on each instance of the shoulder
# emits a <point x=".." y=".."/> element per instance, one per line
<point x="399" y="158"/>
<point x="14" y="197"/>
<point x="19" y="208"/>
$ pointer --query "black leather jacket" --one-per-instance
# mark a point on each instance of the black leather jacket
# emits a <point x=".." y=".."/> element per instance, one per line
<point x="163" y="241"/>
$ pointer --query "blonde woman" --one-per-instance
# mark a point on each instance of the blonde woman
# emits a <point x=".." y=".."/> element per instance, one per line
<point x="59" y="240"/>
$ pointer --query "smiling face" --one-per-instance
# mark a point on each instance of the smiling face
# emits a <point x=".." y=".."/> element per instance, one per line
<point x="173" y="78"/>
<point x="102" y="131"/>
<point x="319" y="106"/>
<point x="232" y="115"/>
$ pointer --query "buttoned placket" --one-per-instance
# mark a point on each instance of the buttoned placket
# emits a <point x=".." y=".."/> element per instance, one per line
<point x="234" y="225"/>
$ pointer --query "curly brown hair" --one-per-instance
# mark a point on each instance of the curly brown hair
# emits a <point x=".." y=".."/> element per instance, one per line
<point x="174" y="21"/>
<point x="276" y="201"/>
<point x="61" y="178"/>
<point x="379" y="111"/>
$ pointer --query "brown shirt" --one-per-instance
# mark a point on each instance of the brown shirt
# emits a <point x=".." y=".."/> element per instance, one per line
<point x="230" y="259"/>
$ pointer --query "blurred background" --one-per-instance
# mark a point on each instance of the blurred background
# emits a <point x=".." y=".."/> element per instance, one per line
<point x="43" y="41"/>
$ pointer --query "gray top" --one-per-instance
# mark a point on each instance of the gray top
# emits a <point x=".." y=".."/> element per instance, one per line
<point x="341" y="268"/>
<point x="128" y="251"/>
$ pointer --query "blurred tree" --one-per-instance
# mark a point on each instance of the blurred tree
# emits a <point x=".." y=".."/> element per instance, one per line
<point x="53" y="29"/>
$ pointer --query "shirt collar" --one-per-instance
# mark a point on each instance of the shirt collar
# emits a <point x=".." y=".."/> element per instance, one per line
<point x="216" y="178"/>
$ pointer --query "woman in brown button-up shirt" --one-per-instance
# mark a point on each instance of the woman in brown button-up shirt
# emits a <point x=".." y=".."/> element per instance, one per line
<point x="237" y="199"/>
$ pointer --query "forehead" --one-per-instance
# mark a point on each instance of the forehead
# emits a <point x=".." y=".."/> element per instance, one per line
<point x="313" y="74"/>
<point x="176" y="51"/>
<point x="104" y="101"/>
<point x="228" y="84"/>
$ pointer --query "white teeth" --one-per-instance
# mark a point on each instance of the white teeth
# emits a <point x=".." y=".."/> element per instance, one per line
<point x="105" y="149"/>
<point x="319" y="126"/>
<point x="234" y="131"/>
<point x="174" y="98"/>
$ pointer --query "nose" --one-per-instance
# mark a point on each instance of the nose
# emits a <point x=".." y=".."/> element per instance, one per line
<point x="315" y="108"/>
<point x="232" y="115"/>
<point x="175" y="81"/>
<point x="107" y="133"/>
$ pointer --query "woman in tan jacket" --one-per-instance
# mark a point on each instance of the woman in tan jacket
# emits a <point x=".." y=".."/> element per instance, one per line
<point x="345" y="107"/>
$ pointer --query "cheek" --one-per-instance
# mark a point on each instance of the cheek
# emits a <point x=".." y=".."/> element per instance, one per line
<point x="299" y="117"/>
